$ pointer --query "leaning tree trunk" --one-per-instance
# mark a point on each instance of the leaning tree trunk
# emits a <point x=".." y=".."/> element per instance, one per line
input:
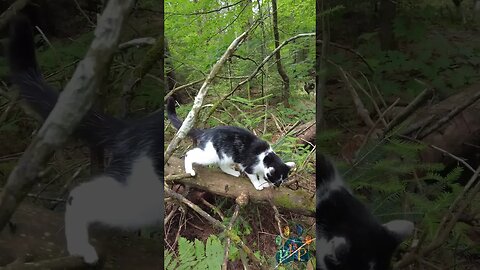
<point x="281" y="70"/>
<point x="387" y="15"/>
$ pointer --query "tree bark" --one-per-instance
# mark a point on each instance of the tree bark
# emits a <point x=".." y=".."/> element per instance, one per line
<point x="217" y="182"/>
<point x="278" y="57"/>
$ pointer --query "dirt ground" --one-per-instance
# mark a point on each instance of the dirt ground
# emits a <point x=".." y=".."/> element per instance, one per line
<point x="39" y="235"/>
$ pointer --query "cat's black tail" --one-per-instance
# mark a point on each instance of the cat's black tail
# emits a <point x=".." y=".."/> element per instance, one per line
<point x="96" y="129"/>
<point x="177" y="122"/>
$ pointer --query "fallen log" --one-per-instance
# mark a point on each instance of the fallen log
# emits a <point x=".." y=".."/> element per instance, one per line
<point x="306" y="132"/>
<point x="452" y="124"/>
<point x="219" y="183"/>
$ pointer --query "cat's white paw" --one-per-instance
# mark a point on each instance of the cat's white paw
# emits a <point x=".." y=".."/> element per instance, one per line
<point x="258" y="187"/>
<point x="88" y="253"/>
<point x="235" y="173"/>
<point x="266" y="184"/>
<point x="191" y="172"/>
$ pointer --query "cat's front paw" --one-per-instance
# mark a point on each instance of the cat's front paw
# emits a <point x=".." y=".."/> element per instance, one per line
<point x="259" y="187"/>
<point x="191" y="172"/>
<point x="265" y="185"/>
<point x="88" y="253"/>
<point x="235" y="173"/>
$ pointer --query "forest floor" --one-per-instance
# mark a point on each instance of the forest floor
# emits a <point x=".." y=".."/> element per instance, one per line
<point x="38" y="234"/>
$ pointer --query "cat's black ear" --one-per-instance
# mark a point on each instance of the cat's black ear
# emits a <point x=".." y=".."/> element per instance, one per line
<point x="268" y="159"/>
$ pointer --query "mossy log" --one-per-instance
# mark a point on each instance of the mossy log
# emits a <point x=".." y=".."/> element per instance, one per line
<point x="217" y="182"/>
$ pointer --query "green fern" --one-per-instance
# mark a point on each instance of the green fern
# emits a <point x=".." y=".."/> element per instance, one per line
<point x="395" y="183"/>
<point x="196" y="255"/>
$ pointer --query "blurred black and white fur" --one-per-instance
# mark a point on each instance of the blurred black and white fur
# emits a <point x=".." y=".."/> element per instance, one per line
<point x="228" y="147"/>
<point x="128" y="194"/>
<point x="349" y="237"/>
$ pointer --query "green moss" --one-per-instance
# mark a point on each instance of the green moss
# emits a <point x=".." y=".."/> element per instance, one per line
<point x="286" y="202"/>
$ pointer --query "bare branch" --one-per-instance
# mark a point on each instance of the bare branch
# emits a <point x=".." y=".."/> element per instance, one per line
<point x="137" y="42"/>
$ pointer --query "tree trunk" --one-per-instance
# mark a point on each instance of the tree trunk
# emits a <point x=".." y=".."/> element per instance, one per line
<point x="476" y="10"/>
<point x="387" y="15"/>
<point x="323" y="32"/>
<point x="281" y="70"/>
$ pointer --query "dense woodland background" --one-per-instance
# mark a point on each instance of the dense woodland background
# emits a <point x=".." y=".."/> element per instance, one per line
<point x="397" y="107"/>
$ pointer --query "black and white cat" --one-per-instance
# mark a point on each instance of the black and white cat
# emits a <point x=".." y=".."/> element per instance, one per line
<point x="128" y="194"/>
<point x="349" y="237"/>
<point x="228" y="146"/>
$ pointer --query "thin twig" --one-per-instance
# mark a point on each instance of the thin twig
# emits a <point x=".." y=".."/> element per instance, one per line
<point x="214" y="208"/>
<point x="461" y="160"/>
<point x="277" y="218"/>
<point x="228" y="242"/>
<point x="137" y="42"/>
<point x="84" y="14"/>
<point x="176" y="89"/>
